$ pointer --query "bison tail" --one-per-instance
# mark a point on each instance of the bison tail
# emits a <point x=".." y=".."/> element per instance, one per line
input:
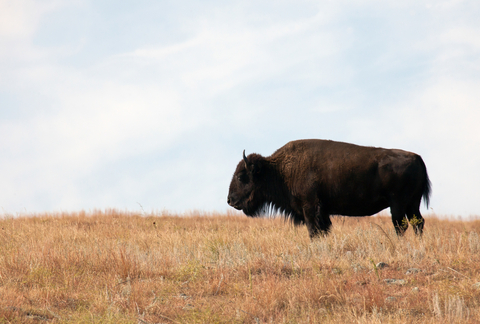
<point x="427" y="187"/>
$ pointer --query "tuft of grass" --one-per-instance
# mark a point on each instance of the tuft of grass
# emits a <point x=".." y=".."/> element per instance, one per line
<point x="118" y="267"/>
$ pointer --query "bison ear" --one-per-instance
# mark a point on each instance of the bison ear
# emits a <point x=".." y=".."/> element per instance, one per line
<point x="256" y="168"/>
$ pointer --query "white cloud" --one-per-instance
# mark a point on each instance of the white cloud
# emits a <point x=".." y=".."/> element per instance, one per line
<point x="90" y="124"/>
<point x="462" y="36"/>
<point x="219" y="57"/>
<point x="18" y="18"/>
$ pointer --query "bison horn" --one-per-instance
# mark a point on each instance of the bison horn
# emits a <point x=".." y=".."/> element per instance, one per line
<point x="245" y="159"/>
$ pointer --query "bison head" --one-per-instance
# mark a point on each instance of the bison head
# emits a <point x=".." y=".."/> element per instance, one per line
<point x="246" y="189"/>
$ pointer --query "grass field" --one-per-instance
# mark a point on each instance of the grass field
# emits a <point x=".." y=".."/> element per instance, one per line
<point x="115" y="267"/>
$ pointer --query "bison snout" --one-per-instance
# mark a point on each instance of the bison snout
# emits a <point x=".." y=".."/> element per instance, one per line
<point x="232" y="202"/>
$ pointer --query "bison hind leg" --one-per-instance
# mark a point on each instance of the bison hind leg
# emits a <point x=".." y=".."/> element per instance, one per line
<point x="416" y="219"/>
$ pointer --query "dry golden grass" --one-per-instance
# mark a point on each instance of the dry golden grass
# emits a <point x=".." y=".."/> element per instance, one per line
<point x="114" y="267"/>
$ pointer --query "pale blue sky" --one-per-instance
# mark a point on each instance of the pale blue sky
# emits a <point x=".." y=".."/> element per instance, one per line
<point x="108" y="104"/>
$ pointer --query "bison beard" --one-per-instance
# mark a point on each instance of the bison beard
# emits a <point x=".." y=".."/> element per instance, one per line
<point x="309" y="180"/>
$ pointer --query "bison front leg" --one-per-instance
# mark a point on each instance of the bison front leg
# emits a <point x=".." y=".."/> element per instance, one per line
<point x="317" y="220"/>
<point x="398" y="218"/>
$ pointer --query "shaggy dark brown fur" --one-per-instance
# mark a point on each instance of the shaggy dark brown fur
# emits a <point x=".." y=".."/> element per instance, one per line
<point x="309" y="180"/>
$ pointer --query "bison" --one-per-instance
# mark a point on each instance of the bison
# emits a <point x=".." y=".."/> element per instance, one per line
<point x="309" y="180"/>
